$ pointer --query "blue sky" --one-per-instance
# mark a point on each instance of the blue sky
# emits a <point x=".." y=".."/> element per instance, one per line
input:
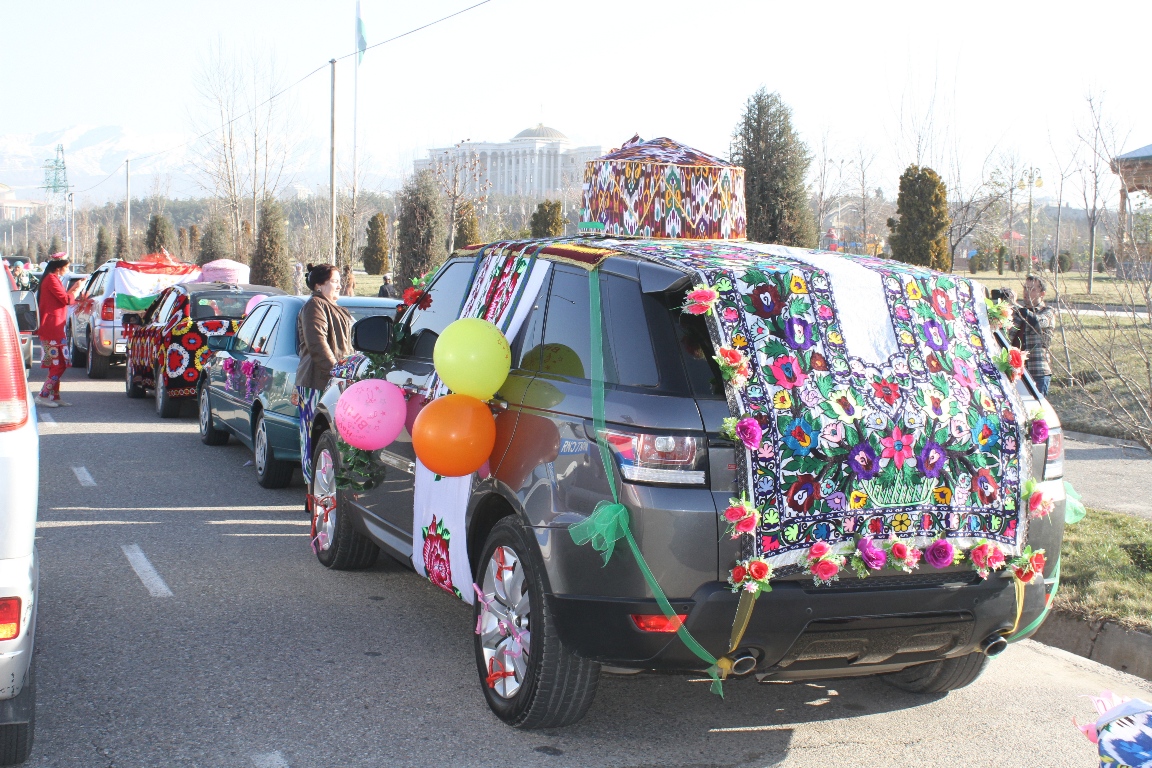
<point x="1007" y="75"/>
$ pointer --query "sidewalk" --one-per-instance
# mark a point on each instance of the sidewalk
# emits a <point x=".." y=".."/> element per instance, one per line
<point x="1109" y="476"/>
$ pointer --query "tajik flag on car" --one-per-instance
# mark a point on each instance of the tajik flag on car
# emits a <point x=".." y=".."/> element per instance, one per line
<point x="138" y="283"/>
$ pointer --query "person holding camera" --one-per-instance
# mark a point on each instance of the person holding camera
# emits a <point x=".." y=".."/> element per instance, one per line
<point x="1032" y="331"/>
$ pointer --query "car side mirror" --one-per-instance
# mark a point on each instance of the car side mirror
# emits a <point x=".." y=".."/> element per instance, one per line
<point x="220" y="343"/>
<point x="27" y="318"/>
<point x="373" y="334"/>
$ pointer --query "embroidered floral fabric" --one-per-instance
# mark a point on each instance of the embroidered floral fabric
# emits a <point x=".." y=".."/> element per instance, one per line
<point x="925" y="444"/>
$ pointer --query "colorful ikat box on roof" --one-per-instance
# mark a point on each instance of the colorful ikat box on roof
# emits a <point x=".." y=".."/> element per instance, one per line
<point x="660" y="188"/>
<point x="882" y="411"/>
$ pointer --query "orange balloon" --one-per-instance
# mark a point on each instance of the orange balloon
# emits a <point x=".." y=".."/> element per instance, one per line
<point x="453" y="435"/>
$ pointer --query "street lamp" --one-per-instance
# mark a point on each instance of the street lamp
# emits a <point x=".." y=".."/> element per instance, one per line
<point x="1030" y="178"/>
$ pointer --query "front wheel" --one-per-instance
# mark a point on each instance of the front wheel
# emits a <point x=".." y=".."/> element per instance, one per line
<point x="529" y="678"/>
<point x="337" y="543"/>
<point x="95" y="363"/>
<point x="131" y="388"/>
<point x="939" y="676"/>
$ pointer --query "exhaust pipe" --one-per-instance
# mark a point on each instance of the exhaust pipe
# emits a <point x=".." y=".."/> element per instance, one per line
<point x="993" y="645"/>
<point x="743" y="662"/>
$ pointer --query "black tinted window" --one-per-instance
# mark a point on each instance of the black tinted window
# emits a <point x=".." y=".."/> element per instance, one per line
<point x="630" y="359"/>
<point x="531" y="334"/>
<point x="264" y="337"/>
<point x="205" y="306"/>
<point x="695" y="348"/>
<point x="566" y="348"/>
<point x="446" y="294"/>
<point x="247" y="332"/>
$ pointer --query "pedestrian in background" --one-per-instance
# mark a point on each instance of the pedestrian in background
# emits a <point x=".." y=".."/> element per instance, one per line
<point x="54" y="302"/>
<point x="324" y="336"/>
<point x="385" y="291"/>
<point x="349" y="287"/>
<point x="23" y="283"/>
<point x="298" y="286"/>
<point x="1032" y="332"/>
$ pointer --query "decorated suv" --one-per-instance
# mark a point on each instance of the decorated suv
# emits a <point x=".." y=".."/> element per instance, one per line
<point x="167" y="345"/>
<point x="709" y="455"/>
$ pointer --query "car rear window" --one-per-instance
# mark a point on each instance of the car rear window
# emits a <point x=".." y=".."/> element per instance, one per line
<point x="219" y="304"/>
<point x="690" y="345"/>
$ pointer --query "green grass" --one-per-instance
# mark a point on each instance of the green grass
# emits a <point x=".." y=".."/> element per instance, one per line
<point x="368" y="285"/>
<point x="1106" y="569"/>
<point x="1073" y="286"/>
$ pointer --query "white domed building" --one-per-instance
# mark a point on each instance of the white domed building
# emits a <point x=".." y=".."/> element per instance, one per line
<point x="536" y="162"/>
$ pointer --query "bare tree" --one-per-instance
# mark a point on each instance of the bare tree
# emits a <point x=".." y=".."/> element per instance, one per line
<point x="827" y="185"/>
<point x="863" y="166"/>
<point x="970" y="204"/>
<point x="458" y="174"/>
<point x="1094" y="173"/>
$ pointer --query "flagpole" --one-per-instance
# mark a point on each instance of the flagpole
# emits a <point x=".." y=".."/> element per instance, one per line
<point x="355" y="109"/>
<point x="332" y="169"/>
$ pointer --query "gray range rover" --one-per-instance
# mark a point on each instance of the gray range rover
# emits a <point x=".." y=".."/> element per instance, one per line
<point x="928" y="631"/>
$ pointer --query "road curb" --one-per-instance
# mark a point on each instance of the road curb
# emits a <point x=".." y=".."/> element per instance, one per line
<point x="1105" y="642"/>
<point x="1085" y="437"/>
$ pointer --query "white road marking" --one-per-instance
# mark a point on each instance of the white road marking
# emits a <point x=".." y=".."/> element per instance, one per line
<point x="304" y="523"/>
<point x="750" y="729"/>
<point x="78" y="523"/>
<point x="46" y="417"/>
<point x="261" y="508"/>
<point x="269" y="760"/>
<point x="264" y="534"/>
<point x="83" y="476"/>
<point x="155" y="584"/>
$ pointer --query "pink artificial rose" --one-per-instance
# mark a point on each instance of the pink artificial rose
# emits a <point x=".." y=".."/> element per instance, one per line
<point x="697" y="309"/>
<point x="995" y="557"/>
<point x="746" y="525"/>
<point x="979" y="556"/>
<point x="730" y="356"/>
<point x="825" y="569"/>
<point x="703" y="295"/>
<point x="732" y="514"/>
<point x="819" y="549"/>
<point x="899" y="551"/>
<point x="750" y="432"/>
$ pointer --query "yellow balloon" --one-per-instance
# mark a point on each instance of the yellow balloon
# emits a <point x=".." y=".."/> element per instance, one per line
<point x="472" y="358"/>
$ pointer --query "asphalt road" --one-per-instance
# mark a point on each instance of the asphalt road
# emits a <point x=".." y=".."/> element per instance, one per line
<point x="260" y="657"/>
<point x="1109" y="476"/>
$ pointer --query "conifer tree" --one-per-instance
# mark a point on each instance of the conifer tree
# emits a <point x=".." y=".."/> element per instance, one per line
<point x="121" y="251"/>
<point x="375" y="253"/>
<point x="920" y="234"/>
<point x="421" y="233"/>
<point x="194" y="239"/>
<point x="215" y="242"/>
<point x="54" y="245"/>
<point x="103" y="247"/>
<point x="270" y="262"/>
<point x="775" y="163"/>
<point x="548" y="219"/>
<point x="160" y="234"/>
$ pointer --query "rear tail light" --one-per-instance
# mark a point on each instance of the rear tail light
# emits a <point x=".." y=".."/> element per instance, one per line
<point x="108" y="308"/>
<point x="663" y="459"/>
<point x="13" y="386"/>
<point x="1054" y="462"/>
<point x="9" y="617"/>
<point x="658" y="623"/>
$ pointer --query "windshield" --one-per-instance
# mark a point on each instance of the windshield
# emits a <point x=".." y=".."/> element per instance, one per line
<point x="222" y="304"/>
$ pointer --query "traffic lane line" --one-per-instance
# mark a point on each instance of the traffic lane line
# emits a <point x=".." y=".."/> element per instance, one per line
<point x="269" y="760"/>
<point x="148" y="575"/>
<point x="45" y="417"/>
<point x="83" y="476"/>
<point x="254" y="508"/>
<point x="83" y="523"/>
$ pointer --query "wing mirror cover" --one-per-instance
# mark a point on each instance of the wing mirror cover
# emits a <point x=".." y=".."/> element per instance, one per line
<point x="373" y="334"/>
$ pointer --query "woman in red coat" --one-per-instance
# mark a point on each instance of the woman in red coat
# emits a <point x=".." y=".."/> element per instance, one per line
<point x="54" y="302"/>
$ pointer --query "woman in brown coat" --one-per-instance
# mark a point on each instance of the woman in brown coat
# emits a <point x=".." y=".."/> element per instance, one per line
<point x="323" y="337"/>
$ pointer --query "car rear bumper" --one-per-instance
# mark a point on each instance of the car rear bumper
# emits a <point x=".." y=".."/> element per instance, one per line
<point x="800" y="631"/>
<point x="19" y="577"/>
<point x="109" y="340"/>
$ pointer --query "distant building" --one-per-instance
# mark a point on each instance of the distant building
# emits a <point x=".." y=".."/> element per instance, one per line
<point x="12" y="209"/>
<point x="536" y="162"/>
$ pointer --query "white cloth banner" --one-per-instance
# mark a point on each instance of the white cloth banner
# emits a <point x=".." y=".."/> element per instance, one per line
<point x="510" y="283"/>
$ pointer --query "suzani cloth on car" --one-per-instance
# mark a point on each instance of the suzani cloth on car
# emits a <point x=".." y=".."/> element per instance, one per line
<point x="903" y="427"/>
<point x="504" y="283"/>
<point x="661" y="188"/>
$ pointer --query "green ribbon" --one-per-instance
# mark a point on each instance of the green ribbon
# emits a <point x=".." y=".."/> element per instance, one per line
<point x="609" y="521"/>
<point x="1047" y="606"/>
<point x="1074" y="509"/>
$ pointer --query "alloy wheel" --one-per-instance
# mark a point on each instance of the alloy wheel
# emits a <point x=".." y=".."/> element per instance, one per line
<point x="505" y="631"/>
<point x="261" y="446"/>
<point x="205" y="411"/>
<point x="323" y="501"/>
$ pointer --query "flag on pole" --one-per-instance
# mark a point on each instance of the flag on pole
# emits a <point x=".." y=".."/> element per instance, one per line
<point x="138" y="283"/>
<point x="361" y="39"/>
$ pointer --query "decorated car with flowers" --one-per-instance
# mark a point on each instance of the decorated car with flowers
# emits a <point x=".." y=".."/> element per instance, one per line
<point x="701" y="454"/>
<point x="167" y="343"/>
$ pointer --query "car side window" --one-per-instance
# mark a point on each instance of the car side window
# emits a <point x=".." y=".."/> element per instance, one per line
<point x="445" y="295"/>
<point x="247" y="333"/>
<point x="262" y="345"/>
<point x="95" y="286"/>
<point x="531" y="335"/>
<point x="566" y="350"/>
<point x="630" y="358"/>
<point x="166" y="308"/>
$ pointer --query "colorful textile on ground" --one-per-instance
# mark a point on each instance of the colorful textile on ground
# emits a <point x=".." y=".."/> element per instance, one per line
<point x="306" y="401"/>
<point x="138" y="283"/>
<point x="660" y="188"/>
<point x="502" y="277"/>
<point x="1122" y="732"/>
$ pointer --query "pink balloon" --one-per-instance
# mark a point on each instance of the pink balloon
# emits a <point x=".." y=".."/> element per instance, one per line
<point x="252" y="302"/>
<point x="370" y="414"/>
<point x="415" y="404"/>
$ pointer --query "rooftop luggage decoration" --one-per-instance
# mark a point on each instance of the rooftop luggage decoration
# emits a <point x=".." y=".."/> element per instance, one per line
<point x="661" y="188"/>
<point x="225" y="271"/>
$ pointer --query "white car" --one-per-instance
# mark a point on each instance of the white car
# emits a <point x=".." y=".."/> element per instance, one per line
<point x="19" y="569"/>
<point x="94" y="330"/>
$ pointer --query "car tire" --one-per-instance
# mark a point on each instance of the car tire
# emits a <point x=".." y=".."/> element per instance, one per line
<point x="16" y="738"/>
<point x="209" y="435"/>
<point x="78" y="357"/>
<point x="549" y="686"/>
<point x="95" y="363"/>
<point x="166" y="407"/>
<point x="131" y="388"/>
<point x="271" y="472"/>
<point x="939" y="676"/>
<point x="337" y="543"/>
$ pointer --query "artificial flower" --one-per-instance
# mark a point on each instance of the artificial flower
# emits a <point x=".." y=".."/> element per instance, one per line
<point x="742" y="516"/>
<point x="897" y="446"/>
<point x="1011" y="362"/>
<point x="999" y="314"/>
<point x="823" y="564"/>
<point x="1029" y="566"/>
<point x="751" y="575"/>
<point x="700" y="300"/>
<point x="1039" y="504"/>
<point x="940" y="553"/>
<point x="904" y="556"/>
<point x="868" y="557"/>
<point x="986" y="557"/>
<point x="728" y="428"/>
<point x="1038" y="430"/>
<point x="749" y="432"/>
